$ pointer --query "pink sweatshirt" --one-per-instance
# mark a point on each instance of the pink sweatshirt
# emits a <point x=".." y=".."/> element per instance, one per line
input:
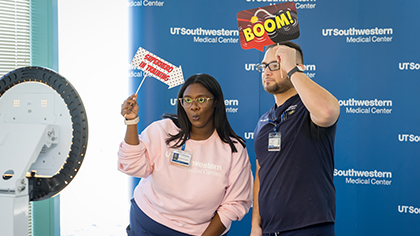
<point x="187" y="199"/>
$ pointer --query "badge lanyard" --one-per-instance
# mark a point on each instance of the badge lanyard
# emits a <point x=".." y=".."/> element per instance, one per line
<point x="181" y="157"/>
<point x="274" y="138"/>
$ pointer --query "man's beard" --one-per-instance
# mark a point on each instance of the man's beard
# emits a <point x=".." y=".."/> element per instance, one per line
<point x="278" y="88"/>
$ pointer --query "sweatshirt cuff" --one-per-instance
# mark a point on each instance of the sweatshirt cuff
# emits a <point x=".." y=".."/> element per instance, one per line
<point x="131" y="147"/>
<point x="225" y="221"/>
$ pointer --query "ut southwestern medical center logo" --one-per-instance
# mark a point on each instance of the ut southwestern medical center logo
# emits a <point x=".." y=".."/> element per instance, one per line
<point x="365" y="177"/>
<point x="361" y="35"/>
<point x="409" y="138"/>
<point x="232" y="105"/>
<point x="403" y="209"/>
<point x="409" y="66"/>
<point x="372" y="106"/>
<point x="146" y="3"/>
<point x="310" y="69"/>
<point x="205" y="35"/>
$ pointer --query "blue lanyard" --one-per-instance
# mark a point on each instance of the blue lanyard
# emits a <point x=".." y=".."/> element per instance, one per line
<point x="283" y="117"/>
<point x="183" y="146"/>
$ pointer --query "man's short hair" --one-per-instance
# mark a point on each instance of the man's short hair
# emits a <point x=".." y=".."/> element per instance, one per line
<point x="289" y="44"/>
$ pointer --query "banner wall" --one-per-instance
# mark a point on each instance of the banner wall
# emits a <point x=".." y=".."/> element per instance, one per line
<point x="366" y="53"/>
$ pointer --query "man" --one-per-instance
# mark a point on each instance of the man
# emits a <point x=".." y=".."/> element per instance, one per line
<point x="294" y="193"/>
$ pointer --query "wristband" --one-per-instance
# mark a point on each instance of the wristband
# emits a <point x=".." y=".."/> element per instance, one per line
<point x="298" y="68"/>
<point x="132" y="122"/>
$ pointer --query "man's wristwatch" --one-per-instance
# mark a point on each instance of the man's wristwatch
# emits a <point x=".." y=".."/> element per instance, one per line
<point x="298" y="68"/>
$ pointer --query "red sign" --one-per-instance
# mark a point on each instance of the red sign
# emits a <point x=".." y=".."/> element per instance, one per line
<point x="157" y="68"/>
<point x="268" y="25"/>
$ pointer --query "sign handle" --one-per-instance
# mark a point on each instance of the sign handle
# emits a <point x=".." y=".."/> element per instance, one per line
<point x="144" y="77"/>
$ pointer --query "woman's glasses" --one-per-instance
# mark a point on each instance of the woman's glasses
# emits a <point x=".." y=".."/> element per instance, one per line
<point x="188" y="102"/>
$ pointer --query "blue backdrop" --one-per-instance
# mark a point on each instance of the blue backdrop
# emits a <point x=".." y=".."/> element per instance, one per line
<point x="366" y="53"/>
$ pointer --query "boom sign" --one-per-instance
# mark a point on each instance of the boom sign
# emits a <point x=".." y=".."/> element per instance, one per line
<point x="268" y="25"/>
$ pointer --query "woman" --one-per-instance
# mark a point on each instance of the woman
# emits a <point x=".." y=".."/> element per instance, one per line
<point x="196" y="175"/>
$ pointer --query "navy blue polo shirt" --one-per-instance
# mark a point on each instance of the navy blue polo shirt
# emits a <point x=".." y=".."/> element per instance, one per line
<point x="296" y="183"/>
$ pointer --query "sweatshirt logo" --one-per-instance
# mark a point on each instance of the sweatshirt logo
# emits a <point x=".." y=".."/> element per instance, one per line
<point x="206" y="168"/>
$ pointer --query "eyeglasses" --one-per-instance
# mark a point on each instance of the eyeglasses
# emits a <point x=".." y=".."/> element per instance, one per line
<point x="201" y="102"/>
<point x="273" y="66"/>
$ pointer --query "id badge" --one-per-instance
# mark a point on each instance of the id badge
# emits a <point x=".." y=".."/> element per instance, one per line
<point x="274" y="141"/>
<point x="181" y="158"/>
